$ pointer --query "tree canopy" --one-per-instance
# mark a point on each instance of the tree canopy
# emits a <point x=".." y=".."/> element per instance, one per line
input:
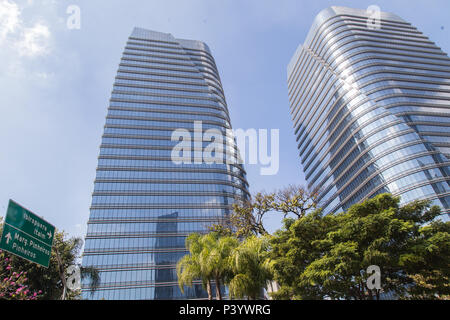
<point x="326" y="256"/>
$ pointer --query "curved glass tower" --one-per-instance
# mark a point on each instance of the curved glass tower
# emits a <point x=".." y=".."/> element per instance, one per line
<point x="144" y="204"/>
<point x="371" y="110"/>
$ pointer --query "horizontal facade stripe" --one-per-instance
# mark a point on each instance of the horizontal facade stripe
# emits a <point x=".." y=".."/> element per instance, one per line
<point x="390" y="150"/>
<point x="132" y="251"/>
<point x="331" y="108"/>
<point x="187" y="181"/>
<point x="141" y="42"/>
<point x="168" y="138"/>
<point x="381" y="169"/>
<point x="153" y="40"/>
<point x="136" y="93"/>
<point x="148" y="220"/>
<point x="131" y="285"/>
<point x="393" y="178"/>
<point x="444" y="210"/>
<point x="170" y="112"/>
<point x="172" y="103"/>
<point x="161" y="206"/>
<point x="194" y="160"/>
<point x="220" y="124"/>
<point x="136" y="267"/>
<point x="381" y="79"/>
<point x="162" y="88"/>
<point x="194" y="68"/>
<point x="361" y="141"/>
<point x="173" y="181"/>
<point x="160" y="81"/>
<point x="338" y="22"/>
<point x="444" y="58"/>
<point x="164" y="193"/>
<point x="165" y="169"/>
<point x="181" y="55"/>
<point x="132" y="268"/>
<point x="337" y="89"/>
<point x="364" y="152"/>
<point x="120" y="235"/>
<point x="347" y="127"/>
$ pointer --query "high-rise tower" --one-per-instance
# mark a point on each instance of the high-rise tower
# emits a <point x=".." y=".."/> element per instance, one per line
<point x="370" y="102"/>
<point x="144" y="204"/>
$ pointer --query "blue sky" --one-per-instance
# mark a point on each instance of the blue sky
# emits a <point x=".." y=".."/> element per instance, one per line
<point x="55" y="83"/>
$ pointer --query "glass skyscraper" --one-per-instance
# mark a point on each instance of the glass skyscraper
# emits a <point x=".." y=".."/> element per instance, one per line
<point x="144" y="204"/>
<point x="370" y="102"/>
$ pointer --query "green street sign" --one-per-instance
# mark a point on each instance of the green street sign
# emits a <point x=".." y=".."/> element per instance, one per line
<point x="25" y="246"/>
<point x="27" y="235"/>
<point x="26" y="221"/>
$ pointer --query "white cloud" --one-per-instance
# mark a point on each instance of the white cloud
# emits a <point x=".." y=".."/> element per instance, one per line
<point x="34" y="41"/>
<point x="9" y="18"/>
<point x="23" y="39"/>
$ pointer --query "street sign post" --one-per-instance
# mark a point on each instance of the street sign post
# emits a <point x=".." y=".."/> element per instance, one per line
<point x="27" y="235"/>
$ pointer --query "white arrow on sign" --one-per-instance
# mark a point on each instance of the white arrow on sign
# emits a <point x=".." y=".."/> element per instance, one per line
<point x="8" y="238"/>
<point x="49" y="234"/>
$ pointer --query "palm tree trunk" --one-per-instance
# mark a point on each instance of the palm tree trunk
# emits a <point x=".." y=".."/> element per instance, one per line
<point x="218" y="293"/>
<point x="208" y="289"/>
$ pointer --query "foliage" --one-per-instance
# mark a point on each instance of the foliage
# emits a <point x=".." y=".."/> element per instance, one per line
<point x="13" y="285"/>
<point x="428" y="262"/>
<point x="207" y="260"/>
<point x="326" y="256"/>
<point x="251" y="271"/>
<point x="216" y="253"/>
<point x="222" y="259"/>
<point x="193" y="266"/>
<point x="317" y="256"/>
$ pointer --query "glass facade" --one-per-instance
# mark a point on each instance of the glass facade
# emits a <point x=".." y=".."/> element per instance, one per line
<point x="371" y="110"/>
<point x="144" y="205"/>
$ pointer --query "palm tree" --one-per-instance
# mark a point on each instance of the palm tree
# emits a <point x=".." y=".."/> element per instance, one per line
<point x="251" y="269"/>
<point x="208" y="260"/>
<point x="217" y="251"/>
<point x="193" y="266"/>
<point x="225" y="261"/>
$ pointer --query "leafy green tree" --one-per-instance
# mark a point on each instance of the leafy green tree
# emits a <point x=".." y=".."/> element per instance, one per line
<point x="326" y="256"/>
<point x="428" y="262"/>
<point x="51" y="280"/>
<point x="251" y="270"/>
<point x="13" y="285"/>
<point x="293" y="248"/>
